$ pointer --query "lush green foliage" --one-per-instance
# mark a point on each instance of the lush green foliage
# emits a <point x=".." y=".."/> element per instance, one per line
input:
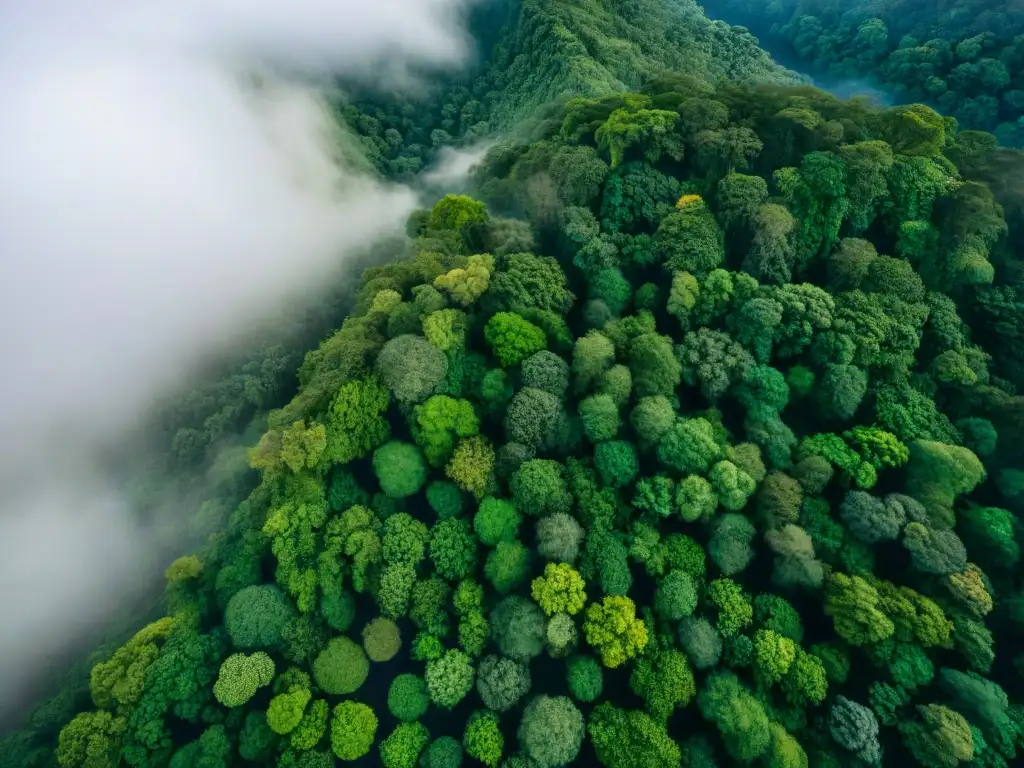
<point x="353" y="727"/>
<point x="407" y="697"/>
<point x="342" y="667"/>
<point x="381" y="639"/>
<point x="444" y="752"/>
<point x="241" y="676"/>
<point x="962" y="58"/>
<point x="483" y="739"/>
<point x="726" y="414"/>
<point x="551" y="731"/>
<point x="449" y="678"/>
<point x="402" y="748"/>
<point x="501" y="682"/>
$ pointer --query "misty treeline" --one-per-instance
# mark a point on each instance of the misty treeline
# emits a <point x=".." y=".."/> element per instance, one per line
<point x="534" y="52"/>
<point x="513" y="79"/>
<point x="964" y="58"/>
<point x="691" y="438"/>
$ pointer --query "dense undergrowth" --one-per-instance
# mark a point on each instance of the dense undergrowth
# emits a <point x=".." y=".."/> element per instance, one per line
<point x="691" y="439"/>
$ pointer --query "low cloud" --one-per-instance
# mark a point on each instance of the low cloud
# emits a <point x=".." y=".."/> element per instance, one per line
<point x="450" y="172"/>
<point x="850" y="87"/>
<point x="166" y="182"/>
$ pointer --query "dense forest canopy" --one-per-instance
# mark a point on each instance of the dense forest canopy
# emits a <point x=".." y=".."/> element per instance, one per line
<point x="690" y="438"/>
<point x="546" y="50"/>
<point x="965" y="58"/>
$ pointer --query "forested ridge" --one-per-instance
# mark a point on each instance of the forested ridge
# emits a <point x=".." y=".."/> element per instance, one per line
<point x="546" y="50"/>
<point x="690" y="438"/>
<point x="965" y="58"/>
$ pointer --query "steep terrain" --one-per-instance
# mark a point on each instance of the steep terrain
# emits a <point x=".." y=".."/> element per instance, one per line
<point x="543" y="52"/>
<point x="691" y="438"/>
<point x="964" y="58"/>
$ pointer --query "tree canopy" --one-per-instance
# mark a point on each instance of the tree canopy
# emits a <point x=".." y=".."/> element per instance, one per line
<point x="685" y="436"/>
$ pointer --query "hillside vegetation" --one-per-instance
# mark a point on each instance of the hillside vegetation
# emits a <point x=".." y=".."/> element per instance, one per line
<point x="550" y="50"/>
<point x="964" y="58"/>
<point x="691" y="438"/>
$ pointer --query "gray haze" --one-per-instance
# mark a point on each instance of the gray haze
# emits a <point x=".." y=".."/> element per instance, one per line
<point x="154" y="204"/>
<point x="450" y="173"/>
<point x="849" y="87"/>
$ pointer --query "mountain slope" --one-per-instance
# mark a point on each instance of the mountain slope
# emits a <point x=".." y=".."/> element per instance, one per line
<point x="537" y="52"/>
<point x="964" y="58"/>
<point x="709" y="457"/>
<point x="561" y="48"/>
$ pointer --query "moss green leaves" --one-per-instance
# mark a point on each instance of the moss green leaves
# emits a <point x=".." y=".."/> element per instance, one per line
<point x="353" y="728"/>
<point x="241" y="676"/>
<point x="612" y="629"/>
<point x="341" y="668"/>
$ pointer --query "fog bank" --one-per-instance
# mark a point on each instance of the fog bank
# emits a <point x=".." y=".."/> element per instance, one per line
<point x="450" y="172"/>
<point x="156" y="200"/>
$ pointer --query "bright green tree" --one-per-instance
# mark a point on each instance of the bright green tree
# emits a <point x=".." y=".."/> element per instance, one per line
<point x="241" y="676"/>
<point x="664" y="681"/>
<point x="482" y="739"/>
<point x="286" y="710"/>
<point x="402" y="748"/>
<point x="612" y="628"/>
<point x="353" y="728"/>
<point x="449" y="678"/>
<point x="513" y="338"/>
<point x="560" y="590"/>
<point x="740" y="718"/>
<point x="439" y="422"/>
